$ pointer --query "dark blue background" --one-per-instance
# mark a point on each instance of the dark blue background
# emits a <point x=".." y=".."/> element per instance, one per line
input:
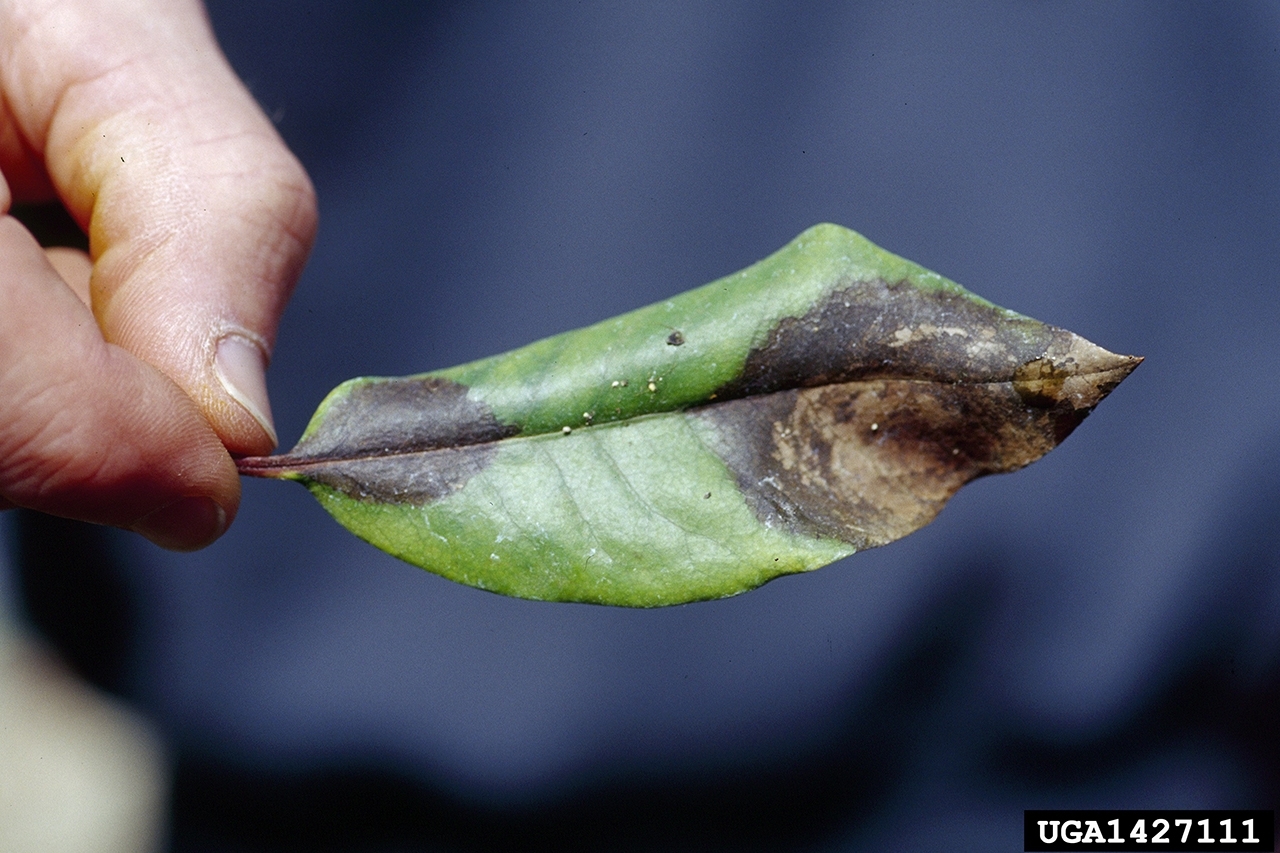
<point x="1101" y="630"/>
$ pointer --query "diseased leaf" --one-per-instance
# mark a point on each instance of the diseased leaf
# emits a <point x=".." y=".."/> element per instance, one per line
<point x="827" y="399"/>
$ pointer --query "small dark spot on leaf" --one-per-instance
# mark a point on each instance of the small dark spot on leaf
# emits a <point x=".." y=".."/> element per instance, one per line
<point x="706" y="496"/>
<point x="675" y="339"/>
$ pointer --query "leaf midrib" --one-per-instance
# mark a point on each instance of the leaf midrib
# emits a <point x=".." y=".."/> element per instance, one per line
<point x="260" y="465"/>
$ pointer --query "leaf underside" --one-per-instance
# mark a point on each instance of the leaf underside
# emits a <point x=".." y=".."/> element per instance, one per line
<point x="827" y="399"/>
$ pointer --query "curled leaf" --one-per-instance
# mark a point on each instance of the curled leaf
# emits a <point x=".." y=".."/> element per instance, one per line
<point x="830" y="398"/>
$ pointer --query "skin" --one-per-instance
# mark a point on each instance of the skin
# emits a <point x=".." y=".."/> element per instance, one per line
<point x="129" y="376"/>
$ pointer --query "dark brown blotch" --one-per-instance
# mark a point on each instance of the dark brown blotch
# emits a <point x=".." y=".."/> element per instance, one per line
<point x="881" y="330"/>
<point x="860" y="419"/>
<point x="409" y="478"/>
<point x="868" y="462"/>
<point x="381" y="417"/>
<point x="409" y="440"/>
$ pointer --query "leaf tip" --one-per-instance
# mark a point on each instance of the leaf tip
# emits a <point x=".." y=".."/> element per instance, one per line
<point x="1073" y="371"/>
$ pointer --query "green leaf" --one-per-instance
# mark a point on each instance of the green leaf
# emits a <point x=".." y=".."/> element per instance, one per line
<point x="830" y="398"/>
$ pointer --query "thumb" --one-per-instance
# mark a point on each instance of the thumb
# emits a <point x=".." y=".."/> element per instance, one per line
<point x="89" y="431"/>
<point x="199" y="218"/>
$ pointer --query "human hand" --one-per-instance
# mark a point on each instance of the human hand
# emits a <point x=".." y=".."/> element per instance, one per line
<point x="129" y="375"/>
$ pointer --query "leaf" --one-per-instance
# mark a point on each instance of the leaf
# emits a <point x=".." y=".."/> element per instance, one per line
<point x="827" y="399"/>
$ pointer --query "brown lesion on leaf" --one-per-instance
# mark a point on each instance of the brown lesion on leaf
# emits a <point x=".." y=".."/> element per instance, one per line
<point x="1072" y="369"/>
<point x="893" y="330"/>
<point x="860" y="419"/>
<point x="1039" y="382"/>
<point x="379" y="417"/>
<point x="870" y="461"/>
<point x="416" y="439"/>
<point x="411" y="478"/>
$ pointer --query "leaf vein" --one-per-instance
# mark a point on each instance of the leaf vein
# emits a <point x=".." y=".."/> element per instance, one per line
<point x="577" y="507"/>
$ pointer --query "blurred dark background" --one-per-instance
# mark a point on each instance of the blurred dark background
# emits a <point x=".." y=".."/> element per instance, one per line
<point x="1099" y="630"/>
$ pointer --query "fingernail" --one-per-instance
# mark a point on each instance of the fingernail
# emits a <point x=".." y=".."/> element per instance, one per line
<point x="185" y="525"/>
<point x="242" y="369"/>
